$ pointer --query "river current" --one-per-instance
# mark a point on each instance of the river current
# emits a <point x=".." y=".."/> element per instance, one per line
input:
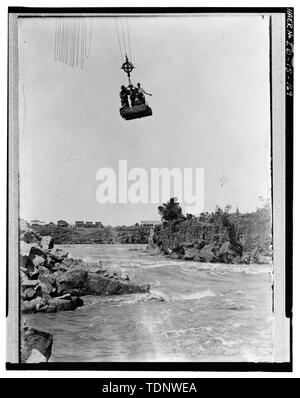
<point x="195" y="312"/>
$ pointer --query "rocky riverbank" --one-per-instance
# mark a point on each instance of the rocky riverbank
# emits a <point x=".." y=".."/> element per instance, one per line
<point x="52" y="281"/>
<point x="218" y="237"/>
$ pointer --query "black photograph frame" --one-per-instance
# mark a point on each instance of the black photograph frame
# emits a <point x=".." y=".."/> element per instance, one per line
<point x="289" y="114"/>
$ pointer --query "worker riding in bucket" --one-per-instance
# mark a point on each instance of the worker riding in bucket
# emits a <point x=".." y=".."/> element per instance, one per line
<point x="141" y="94"/>
<point x="124" y="97"/>
<point x="136" y="95"/>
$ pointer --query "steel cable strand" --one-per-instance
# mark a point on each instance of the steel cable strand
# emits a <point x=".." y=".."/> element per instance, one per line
<point x="90" y="39"/>
<point x="119" y="39"/>
<point x="125" y="49"/>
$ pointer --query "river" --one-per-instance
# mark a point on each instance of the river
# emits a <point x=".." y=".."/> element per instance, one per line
<point x="210" y="312"/>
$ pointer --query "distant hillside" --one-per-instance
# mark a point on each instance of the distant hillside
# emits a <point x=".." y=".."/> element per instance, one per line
<point x="108" y="234"/>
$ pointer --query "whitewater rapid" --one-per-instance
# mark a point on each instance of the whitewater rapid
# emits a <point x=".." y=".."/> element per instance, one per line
<point x="195" y="312"/>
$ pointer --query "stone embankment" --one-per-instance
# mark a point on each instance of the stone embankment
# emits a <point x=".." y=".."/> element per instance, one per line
<point x="52" y="281"/>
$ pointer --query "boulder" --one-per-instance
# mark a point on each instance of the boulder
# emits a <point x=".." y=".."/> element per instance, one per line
<point x="191" y="254"/>
<point x="28" y="268"/>
<point x="37" y="250"/>
<point x="23" y="277"/>
<point x="23" y="226"/>
<point x="236" y="260"/>
<point x="47" y="280"/>
<point x="175" y="244"/>
<point x="53" y="267"/>
<point x="124" y="276"/>
<point x="63" y="268"/>
<point x="29" y="294"/>
<point x="46" y="288"/>
<point x="46" y="276"/>
<point x="56" y="274"/>
<point x="60" y="304"/>
<point x="32" y="306"/>
<point x="47" y="242"/>
<point x="36" y="357"/>
<point x="206" y="254"/>
<point x="261" y="259"/>
<point x="48" y="304"/>
<point x="25" y="248"/>
<point x="34" y="340"/>
<point x="36" y="260"/>
<point x="68" y="262"/>
<point x="34" y="274"/>
<point x="73" y="282"/>
<point x="58" y="254"/>
<point x="246" y="259"/>
<point x="31" y="256"/>
<point x="81" y="282"/>
<point x="99" y="285"/>
<point x="227" y="253"/>
<point x="29" y="283"/>
<point x="28" y="307"/>
<point x="50" y="263"/>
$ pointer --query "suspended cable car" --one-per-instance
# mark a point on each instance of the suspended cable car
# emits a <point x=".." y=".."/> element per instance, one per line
<point x="136" y="112"/>
<point x="138" y="107"/>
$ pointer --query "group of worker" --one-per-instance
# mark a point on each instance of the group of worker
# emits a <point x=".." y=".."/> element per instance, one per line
<point x="135" y="94"/>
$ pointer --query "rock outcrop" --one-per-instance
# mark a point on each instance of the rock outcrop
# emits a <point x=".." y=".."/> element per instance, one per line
<point x="80" y="282"/>
<point x="206" y="254"/>
<point x="52" y="281"/>
<point x="218" y="237"/>
<point x="36" y="346"/>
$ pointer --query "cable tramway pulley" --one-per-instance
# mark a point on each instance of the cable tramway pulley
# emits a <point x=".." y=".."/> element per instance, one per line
<point x="127" y="67"/>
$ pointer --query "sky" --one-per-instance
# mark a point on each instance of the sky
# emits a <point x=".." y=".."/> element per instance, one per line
<point x="209" y="79"/>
